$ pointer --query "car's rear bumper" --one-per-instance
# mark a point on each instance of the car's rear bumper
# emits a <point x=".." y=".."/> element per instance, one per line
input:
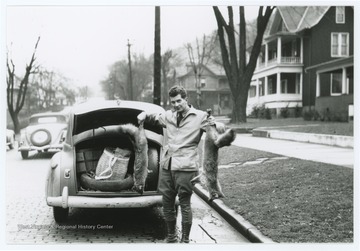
<point x="66" y="201"/>
<point x="55" y="147"/>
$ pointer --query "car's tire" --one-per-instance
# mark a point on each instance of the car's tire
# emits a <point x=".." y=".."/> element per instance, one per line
<point x="24" y="154"/>
<point x="153" y="170"/>
<point x="40" y="137"/>
<point x="11" y="145"/>
<point x="60" y="214"/>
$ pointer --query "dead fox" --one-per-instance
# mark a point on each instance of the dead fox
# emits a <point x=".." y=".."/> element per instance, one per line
<point x="213" y="141"/>
<point x="139" y="141"/>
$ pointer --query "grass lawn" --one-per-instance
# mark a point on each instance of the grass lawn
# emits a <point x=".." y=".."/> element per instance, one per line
<point x="289" y="200"/>
<point x="300" y="125"/>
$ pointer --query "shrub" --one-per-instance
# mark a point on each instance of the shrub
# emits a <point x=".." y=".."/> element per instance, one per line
<point x="261" y="112"/>
<point x="297" y="112"/>
<point x="311" y="115"/>
<point x="255" y="112"/>
<point x="267" y="113"/>
<point x="284" y="112"/>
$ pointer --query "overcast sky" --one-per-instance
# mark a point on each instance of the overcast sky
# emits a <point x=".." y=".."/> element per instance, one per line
<point x="81" y="42"/>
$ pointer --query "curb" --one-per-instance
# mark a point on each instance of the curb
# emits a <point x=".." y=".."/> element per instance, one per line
<point x="235" y="220"/>
<point x="242" y="130"/>
<point x="322" y="139"/>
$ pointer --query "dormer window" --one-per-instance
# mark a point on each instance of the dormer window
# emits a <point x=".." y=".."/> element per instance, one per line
<point x="340" y="14"/>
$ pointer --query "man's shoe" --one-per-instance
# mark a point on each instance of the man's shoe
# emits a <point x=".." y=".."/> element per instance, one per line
<point x="171" y="232"/>
<point x="186" y="227"/>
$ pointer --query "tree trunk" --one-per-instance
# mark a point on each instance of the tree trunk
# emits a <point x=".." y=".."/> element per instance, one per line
<point x="157" y="58"/>
<point x="15" y="118"/>
<point x="239" y="108"/>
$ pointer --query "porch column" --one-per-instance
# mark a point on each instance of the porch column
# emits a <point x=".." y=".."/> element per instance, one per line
<point x="266" y="54"/>
<point x="257" y="95"/>
<point x="301" y="50"/>
<point x="266" y="86"/>
<point x="279" y="50"/>
<point x="317" y="84"/>
<point x="344" y="88"/>
<point x="301" y="84"/>
<point x="278" y="83"/>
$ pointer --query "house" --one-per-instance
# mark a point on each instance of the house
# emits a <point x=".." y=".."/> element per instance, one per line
<point x="306" y="62"/>
<point x="214" y="88"/>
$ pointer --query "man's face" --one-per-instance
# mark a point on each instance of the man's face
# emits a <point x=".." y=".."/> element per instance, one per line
<point x="178" y="103"/>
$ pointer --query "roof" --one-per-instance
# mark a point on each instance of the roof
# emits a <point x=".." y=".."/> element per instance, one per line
<point x="47" y="114"/>
<point x="217" y="70"/>
<point x="110" y="104"/>
<point x="332" y="65"/>
<point x="298" y="18"/>
<point x="295" y="18"/>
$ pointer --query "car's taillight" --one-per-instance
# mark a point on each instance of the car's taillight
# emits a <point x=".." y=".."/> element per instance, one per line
<point x="63" y="136"/>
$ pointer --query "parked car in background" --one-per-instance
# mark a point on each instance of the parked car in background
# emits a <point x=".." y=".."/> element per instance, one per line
<point x="92" y="128"/>
<point x="10" y="138"/>
<point x="45" y="132"/>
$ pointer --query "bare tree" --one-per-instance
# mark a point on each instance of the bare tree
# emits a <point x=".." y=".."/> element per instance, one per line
<point x="238" y="71"/>
<point x="15" y="95"/>
<point x="203" y="55"/>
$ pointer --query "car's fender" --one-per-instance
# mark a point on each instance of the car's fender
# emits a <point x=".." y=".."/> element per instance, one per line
<point x="68" y="169"/>
<point x="57" y="178"/>
<point x="52" y="188"/>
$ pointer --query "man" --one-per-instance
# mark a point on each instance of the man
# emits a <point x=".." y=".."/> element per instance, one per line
<point x="180" y="163"/>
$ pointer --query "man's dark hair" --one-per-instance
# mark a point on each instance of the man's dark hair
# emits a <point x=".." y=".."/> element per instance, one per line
<point x="176" y="90"/>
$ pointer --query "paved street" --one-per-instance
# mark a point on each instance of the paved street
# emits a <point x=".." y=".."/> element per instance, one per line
<point x="29" y="220"/>
<point x="315" y="152"/>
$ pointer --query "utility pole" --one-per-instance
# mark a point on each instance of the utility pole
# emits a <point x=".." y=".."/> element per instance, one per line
<point x="157" y="58"/>
<point x="130" y="72"/>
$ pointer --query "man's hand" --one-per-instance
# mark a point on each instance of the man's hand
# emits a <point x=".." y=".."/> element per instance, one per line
<point x="211" y="120"/>
<point x="141" y="117"/>
<point x="220" y="127"/>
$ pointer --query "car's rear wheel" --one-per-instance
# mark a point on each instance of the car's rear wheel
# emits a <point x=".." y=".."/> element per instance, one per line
<point x="40" y="137"/>
<point x="24" y="154"/>
<point x="60" y="214"/>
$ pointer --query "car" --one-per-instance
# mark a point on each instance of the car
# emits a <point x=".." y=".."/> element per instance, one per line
<point x="93" y="128"/>
<point x="10" y="138"/>
<point x="45" y="132"/>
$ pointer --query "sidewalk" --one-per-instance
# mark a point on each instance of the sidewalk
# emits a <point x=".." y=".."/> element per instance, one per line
<point x="308" y="151"/>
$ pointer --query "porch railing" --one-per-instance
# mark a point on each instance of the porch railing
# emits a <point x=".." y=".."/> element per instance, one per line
<point x="284" y="60"/>
<point x="290" y="60"/>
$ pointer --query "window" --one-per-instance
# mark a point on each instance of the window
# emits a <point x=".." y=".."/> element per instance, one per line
<point x="339" y="44"/>
<point x="224" y="101"/>
<point x="252" y="91"/>
<point x="340" y="14"/>
<point x="272" y="84"/>
<point x="261" y="87"/>
<point x="284" y="86"/>
<point x="336" y="84"/>
<point x="203" y="82"/>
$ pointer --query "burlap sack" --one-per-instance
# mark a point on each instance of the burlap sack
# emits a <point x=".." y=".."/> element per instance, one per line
<point x="113" y="164"/>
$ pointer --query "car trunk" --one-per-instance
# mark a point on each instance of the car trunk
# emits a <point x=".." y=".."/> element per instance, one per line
<point x="88" y="153"/>
<point x="96" y="130"/>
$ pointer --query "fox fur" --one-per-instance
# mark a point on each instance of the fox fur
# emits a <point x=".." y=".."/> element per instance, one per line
<point x="139" y="141"/>
<point x="213" y="141"/>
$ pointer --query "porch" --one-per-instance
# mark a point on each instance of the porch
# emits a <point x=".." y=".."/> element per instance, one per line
<point x="276" y="91"/>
